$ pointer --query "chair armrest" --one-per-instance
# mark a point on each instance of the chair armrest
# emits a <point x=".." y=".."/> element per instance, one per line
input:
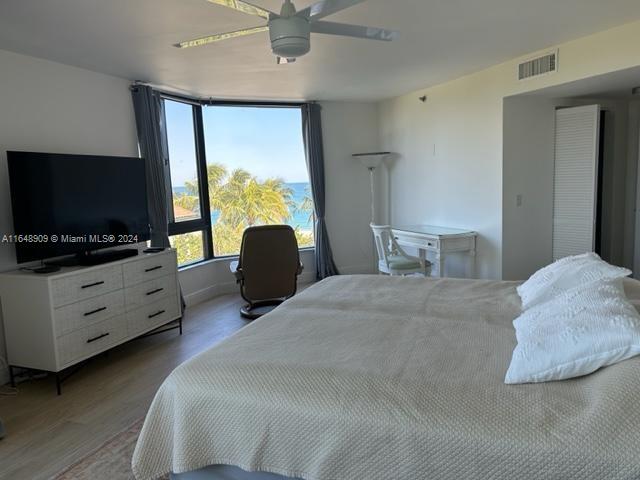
<point x="237" y="272"/>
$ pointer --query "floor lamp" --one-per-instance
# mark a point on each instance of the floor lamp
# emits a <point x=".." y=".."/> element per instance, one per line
<point x="372" y="161"/>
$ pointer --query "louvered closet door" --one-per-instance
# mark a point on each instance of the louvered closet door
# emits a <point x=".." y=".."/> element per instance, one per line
<point x="575" y="180"/>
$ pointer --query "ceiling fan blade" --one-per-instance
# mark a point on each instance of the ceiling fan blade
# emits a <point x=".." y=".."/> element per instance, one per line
<point x="324" y="8"/>
<point x="284" y="61"/>
<point x="358" y="31"/>
<point x="244" y="7"/>
<point x="220" y="36"/>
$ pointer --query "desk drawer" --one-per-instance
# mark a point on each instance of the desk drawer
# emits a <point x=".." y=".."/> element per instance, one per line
<point x="151" y="316"/>
<point x="151" y="291"/>
<point x="417" y="242"/>
<point x="91" y="340"/>
<point x="94" y="310"/>
<point x="154" y="266"/>
<point x="73" y="288"/>
<point x="431" y="244"/>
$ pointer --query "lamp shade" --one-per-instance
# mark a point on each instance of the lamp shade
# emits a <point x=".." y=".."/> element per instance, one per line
<point x="371" y="160"/>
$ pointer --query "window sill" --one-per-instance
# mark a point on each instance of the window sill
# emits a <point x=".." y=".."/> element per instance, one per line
<point x="229" y="259"/>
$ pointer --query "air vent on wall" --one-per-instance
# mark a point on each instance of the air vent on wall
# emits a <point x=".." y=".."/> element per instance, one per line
<point x="538" y="66"/>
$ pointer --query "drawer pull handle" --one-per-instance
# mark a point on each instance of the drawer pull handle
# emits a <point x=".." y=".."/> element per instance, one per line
<point x="97" y="338"/>
<point x="95" y="284"/>
<point x="157" y="267"/>
<point x="95" y="311"/>
<point x="155" y="291"/>
<point x="156" y="314"/>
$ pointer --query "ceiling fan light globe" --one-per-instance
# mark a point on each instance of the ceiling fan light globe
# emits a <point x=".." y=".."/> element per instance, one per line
<point x="290" y="37"/>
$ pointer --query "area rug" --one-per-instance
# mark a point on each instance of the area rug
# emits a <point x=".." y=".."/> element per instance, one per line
<point x="111" y="461"/>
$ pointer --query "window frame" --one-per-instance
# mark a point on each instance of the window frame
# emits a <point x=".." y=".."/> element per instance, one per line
<point x="203" y="224"/>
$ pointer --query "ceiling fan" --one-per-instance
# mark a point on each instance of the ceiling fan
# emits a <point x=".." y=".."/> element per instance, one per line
<point x="290" y="31"/>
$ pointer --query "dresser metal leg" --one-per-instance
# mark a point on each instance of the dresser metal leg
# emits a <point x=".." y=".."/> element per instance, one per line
<point x="180" y="320"/>
<point x="12" y="377"/>
<point x="58" y="383"/>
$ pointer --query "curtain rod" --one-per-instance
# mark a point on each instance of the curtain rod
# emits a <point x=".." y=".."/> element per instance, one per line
<point x="211" y="101"/>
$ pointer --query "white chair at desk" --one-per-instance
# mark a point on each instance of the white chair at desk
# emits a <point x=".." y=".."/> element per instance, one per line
<point x="392" y="260"/>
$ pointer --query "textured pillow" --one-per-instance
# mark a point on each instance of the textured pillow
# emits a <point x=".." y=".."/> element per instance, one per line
<point x="566" y="273"/>
<point x="576" y="333"/>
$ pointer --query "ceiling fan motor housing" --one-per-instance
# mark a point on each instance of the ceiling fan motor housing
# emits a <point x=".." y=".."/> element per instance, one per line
<point x="290" y="37"/>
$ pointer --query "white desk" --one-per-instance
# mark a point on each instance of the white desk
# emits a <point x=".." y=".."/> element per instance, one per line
<point x="439" y="240"/>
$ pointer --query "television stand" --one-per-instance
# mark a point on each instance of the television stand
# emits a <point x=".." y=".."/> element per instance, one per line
<point x="56" y="322"/>
<point x="87" y="259"/>
<point x="98" y="258"/>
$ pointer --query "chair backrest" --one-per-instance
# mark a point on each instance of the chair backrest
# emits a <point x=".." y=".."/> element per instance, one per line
<point x="269" y="260"/>
<point x="383" y="237"/>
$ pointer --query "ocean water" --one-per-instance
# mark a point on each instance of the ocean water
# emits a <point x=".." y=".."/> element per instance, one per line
<point x="298" y="219"/>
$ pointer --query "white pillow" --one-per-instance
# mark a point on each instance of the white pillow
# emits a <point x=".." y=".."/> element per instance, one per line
<point x="576" y="333"/>
<point x="566" y="273"/>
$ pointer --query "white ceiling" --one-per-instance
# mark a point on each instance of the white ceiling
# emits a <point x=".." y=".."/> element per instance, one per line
<point x="440" y="40"/>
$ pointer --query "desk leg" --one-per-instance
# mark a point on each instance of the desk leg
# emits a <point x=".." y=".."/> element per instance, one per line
<point x="422" y="255"/>
<point x="472" y="263"/>
<point x="440" y="262"/>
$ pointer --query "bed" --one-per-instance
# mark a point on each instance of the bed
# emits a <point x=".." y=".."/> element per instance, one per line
<point x="373" y="377"/>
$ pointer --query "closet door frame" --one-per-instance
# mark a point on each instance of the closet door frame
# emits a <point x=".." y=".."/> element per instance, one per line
<point x="573" y="143"/>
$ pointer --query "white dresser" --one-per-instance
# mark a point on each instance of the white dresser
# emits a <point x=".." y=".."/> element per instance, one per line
<point x="54" y="321"/>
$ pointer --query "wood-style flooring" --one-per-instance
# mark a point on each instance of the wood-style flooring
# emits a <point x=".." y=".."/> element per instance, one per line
<point x="46" y="432"/>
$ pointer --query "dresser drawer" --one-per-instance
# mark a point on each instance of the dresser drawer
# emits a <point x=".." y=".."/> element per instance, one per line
<point x="154" y="266"/>
<point x="87" y="312"/>
<point x="91" y="340"/>
<point x="151" y="291"/>
<point x="151" y="316"/>
<point x="73" y="288"/>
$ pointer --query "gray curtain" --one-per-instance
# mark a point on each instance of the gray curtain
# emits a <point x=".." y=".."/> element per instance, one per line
<point x="312" y="136"/>
<point x="152" y="141"/>
<point x="148" y="107"/>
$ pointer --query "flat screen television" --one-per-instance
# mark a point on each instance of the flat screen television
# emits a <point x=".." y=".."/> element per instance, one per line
<point x="75" y="204"/>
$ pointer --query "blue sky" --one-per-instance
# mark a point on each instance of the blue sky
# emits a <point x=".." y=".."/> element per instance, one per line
<point x="265" y="141"/>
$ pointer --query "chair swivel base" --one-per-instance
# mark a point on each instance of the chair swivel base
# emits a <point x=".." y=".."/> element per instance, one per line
<point x="248" y="311"/>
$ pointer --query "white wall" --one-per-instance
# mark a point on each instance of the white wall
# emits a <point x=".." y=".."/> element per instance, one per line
<point x="449" y="167"/>
<point x="349" y="128"/>
<point x="460" y="185"/>
<point x="528" y="162"/>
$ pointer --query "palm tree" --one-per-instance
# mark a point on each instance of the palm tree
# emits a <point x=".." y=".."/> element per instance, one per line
<point x="242" y="201"/>
<point x="306" y="205"/>
<point x="186" y="201"/>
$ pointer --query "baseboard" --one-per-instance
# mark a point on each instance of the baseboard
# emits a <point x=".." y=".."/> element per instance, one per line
<point x="306" y="277"/>
<point x="212" y="291"/>
<point x="365" y="268"/>
<point x="4" y="372"/>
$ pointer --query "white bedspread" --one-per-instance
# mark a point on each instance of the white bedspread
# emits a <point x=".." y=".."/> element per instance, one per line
<point x="371" y="377"/>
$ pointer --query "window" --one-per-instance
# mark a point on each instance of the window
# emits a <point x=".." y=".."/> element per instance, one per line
<point x="183" y="173"/>
<point x="232" y="166"/>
